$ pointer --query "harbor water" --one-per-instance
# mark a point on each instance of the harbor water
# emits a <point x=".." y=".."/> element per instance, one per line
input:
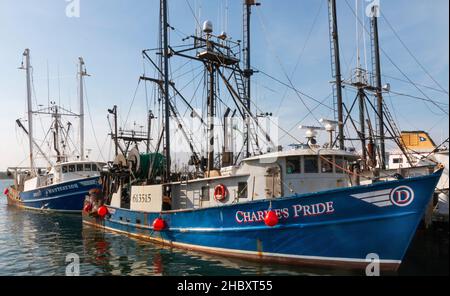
<point x="33" y="243"/>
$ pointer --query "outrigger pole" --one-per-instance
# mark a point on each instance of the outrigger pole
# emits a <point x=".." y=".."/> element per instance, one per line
<point x="165" y="40"/>
<point x="337" y="70"/>
<point x="19" y="123"/>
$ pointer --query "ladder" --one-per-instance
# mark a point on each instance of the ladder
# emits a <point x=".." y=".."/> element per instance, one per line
<point x="397" y="134"/>
<point x="241" y="90"/>
<point x="395" y="131"/>
<point x="196" y="200"/>
<point x="183" y="195"/>
<point x="372" y="79"/>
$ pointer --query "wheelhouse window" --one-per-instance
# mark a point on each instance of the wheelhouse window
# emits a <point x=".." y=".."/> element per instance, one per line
<point x="242" y="190"/>
<point x="79" y="167"/>
<point x="293" y="165"/>
<point x="64" y="169"/>
<point x="205" y="193"/>
<point x="71" y="168"/>
<point x="326" y="164"/>
<point x="341" y="163"/>
<point x="87" y="167"/>
<point x="311" y="165"/>
<point x="397" y="160"/>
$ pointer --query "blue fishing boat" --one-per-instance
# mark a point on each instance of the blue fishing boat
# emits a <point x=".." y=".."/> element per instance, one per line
<point x="46" y="192"/>
<point x="61" y="185"/>
<point x="303" y="205"/>
<point x="335" y="227"/>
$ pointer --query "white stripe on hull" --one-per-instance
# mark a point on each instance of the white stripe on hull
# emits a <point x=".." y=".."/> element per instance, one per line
<point x="243" y="252"/>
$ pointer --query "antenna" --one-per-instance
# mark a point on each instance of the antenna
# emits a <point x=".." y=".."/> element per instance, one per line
<point x="330" y="127"/>
<point x="311" y="133"/>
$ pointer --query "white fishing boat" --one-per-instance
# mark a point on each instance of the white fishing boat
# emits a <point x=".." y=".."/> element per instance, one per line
<point x="62" y="184"/>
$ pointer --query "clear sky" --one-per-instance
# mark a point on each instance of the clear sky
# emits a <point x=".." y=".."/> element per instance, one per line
<point x="110" y="34"/>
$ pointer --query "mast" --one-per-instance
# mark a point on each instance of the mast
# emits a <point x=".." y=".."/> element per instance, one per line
<point x="362" y="122"/>
<point x="82" y="72"/>
<point x="248" y="72"/>
<point x="379" y="89"/>
<point x="211" y="113"/>
<point x="26" y="54"/>
<point x="337" y="74"/>
<point x="360" y="79"/>
<point x="56" y="134"/>
<point x="165" y="38"/>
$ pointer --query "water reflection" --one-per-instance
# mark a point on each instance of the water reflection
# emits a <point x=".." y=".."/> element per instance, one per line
<point x="34" y="243"/>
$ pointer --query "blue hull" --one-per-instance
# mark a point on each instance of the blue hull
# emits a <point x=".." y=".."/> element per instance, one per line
<point x="63" y="197"/>
<point x="333" y="228"/>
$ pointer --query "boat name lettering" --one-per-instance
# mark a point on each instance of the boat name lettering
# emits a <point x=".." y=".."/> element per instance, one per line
<point x="294" y="211"/>
<point x="62" y="188"/>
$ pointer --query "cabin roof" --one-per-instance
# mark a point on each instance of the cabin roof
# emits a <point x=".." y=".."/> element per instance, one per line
<point x="300" y="152"/>
<point x="79" y="162"/>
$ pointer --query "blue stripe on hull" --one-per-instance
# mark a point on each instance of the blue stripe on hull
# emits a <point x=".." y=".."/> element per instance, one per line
<point x="64" y="197"/>
<point x="356" y="226"/>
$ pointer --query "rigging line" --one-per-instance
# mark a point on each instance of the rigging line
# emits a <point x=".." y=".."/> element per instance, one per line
<point x="267" y="35"/>
<point x="147" y="106"/>
<point x="91" y="121"/>
<point x="437" y="123"/>
<point x="182" y="66"/>
<point x="415" y="97"/>
<point x="301" y="120"/>
<point x="35" y="98"/>
<point x="419" y="84"/>
<point x="302" y="51"/>
<point x="68" y="137"/>
<point x="421" y="91"/>
<point x="132" y="102"/>
<point x="187" y="72"/>
<point x="293" y="88"/>
<point x="411" y="54"/>
<point x="398" y="68"/>
<point x="193" y="14"/>
<point x="194" y="95"/>
<point x="394" y="111"/>
<point x="438" y="147"/>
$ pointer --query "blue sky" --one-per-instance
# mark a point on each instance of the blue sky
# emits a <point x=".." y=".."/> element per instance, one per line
<point x="110" y="34"/>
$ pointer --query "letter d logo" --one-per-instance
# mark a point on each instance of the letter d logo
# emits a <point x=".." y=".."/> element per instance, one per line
<point x="402" y="196"/>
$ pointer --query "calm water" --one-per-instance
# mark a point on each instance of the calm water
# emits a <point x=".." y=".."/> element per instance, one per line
<point x="37" y="244"/>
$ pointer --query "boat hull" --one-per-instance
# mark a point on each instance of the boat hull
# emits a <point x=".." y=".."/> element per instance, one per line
<point x="65" y="197"/>
<point x="346" y="227"/>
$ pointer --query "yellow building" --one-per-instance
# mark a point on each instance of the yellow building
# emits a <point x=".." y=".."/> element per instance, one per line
<point x="417" y="141"/>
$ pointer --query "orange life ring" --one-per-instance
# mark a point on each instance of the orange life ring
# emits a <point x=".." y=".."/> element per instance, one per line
<point x="220" y="192"/>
